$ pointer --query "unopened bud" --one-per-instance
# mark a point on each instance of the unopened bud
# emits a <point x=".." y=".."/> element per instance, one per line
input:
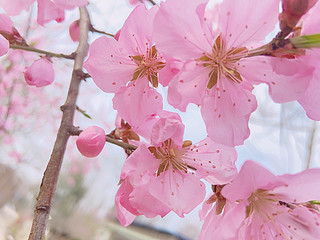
<point x="292" y="11"/>
<point x="91" y="141"/>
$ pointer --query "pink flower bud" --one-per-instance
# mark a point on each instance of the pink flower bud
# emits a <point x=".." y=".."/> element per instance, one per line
<point x="74" y="31"/>
<point x="91" y="141"/>
<point x="40" y="73"/>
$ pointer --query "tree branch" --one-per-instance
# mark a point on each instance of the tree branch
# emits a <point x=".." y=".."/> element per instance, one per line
<point x="50" y="54"/>
<point x="51" y="174"/>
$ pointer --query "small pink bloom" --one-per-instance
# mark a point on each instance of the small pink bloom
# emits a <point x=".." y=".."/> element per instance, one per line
<point x="40" y="73"/>
<point x="165" y="176"/>
<point x="91" y="141"/>
<point x="74" y="31"/>
<point x="260" y="205"/>
<point x="130" y="67"/>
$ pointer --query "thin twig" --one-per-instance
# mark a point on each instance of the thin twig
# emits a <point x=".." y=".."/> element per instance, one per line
<point x="50" y="54"/>
<point x="92" y="29"/>
<point x="51" y="174"/>
<point x="76" y="132"/>
<point x="153" y="2"/>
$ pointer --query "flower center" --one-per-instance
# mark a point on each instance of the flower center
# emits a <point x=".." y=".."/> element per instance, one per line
<point x="171" y="156"/>
<point x="149" y="65"/>
<point x="258" y="201"/>
<point x="223" y="62"/>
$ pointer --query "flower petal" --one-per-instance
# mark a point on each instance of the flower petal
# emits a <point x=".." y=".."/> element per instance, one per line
<point x="245" y="22"/>
<point x="226" y="113"/>
<point x="108" y="67"/>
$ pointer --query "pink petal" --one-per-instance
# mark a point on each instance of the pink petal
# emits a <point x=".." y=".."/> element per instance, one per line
<point x="310" y="99"/>
<point x="169" y="71"/>
<point x="136" y="38"/>
<point x="107" y="66"/>
<point x="180" y="34"/>
<point x="226" y="117"/>
<point x="251" y="177"/>
<point x="188" y="86"/>
<point x="14" y="7"/>
<point x="168" y="126"/>
<point x="287" y="79"/>
<point x="215" y="162"/>
<point x="141" y="99"/>
<point x="91" y="141"/>
<point x="146" y="204"/>
<point x="225" y="228"/>
<point x="181" y="192"/>
<point x="4" y="45"/>
<point x="48" y="11"/>
<point x="291" y="81"/>
<point x="125" y="212"/>
<point x="311" y="22"/>
<point x="6" y="23"/>
<point x="40" y="73"/>
<point x="307" y="182"/>
<point x="245" y="22"/>
<point x="140" y="166"/>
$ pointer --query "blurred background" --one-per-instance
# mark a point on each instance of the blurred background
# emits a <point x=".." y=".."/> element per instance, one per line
<point x="282" y="139"/>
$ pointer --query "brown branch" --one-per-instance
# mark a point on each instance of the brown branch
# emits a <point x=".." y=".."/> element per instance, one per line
<point x="153" y="2"/>
<point x="74" y="131"/>
<point x="49" y="54"/>
<point x="92" y="29"/>
<point x="51" y="174"/>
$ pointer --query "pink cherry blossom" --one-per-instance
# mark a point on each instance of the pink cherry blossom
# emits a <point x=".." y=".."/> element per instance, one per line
<point x="40" y="73"/>
<point x="260" y="205"/>
<point x="91" y="141"/>
<point x="130" y="67"/>
<point x="165" y="175"/>
<point x="219" y="72"/>
<point x="47" y="10"/>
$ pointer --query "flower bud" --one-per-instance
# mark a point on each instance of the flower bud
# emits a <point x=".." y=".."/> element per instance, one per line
<point x="74" y="31"/>
<point x="91" y="141"/>
<point x="40" y="73"/>
<point x="292" y="11"/>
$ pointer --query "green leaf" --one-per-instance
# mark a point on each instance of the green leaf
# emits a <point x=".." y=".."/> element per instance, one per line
<point x="86" y="115"/>
<point x="306" y="41"/>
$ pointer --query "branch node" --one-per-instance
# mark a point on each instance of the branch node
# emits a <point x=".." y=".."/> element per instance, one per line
<point x="43" y="208"/>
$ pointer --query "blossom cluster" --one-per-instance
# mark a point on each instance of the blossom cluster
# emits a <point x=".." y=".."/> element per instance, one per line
<point x="213" y="62"/>
<point x="212" y="57"/>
